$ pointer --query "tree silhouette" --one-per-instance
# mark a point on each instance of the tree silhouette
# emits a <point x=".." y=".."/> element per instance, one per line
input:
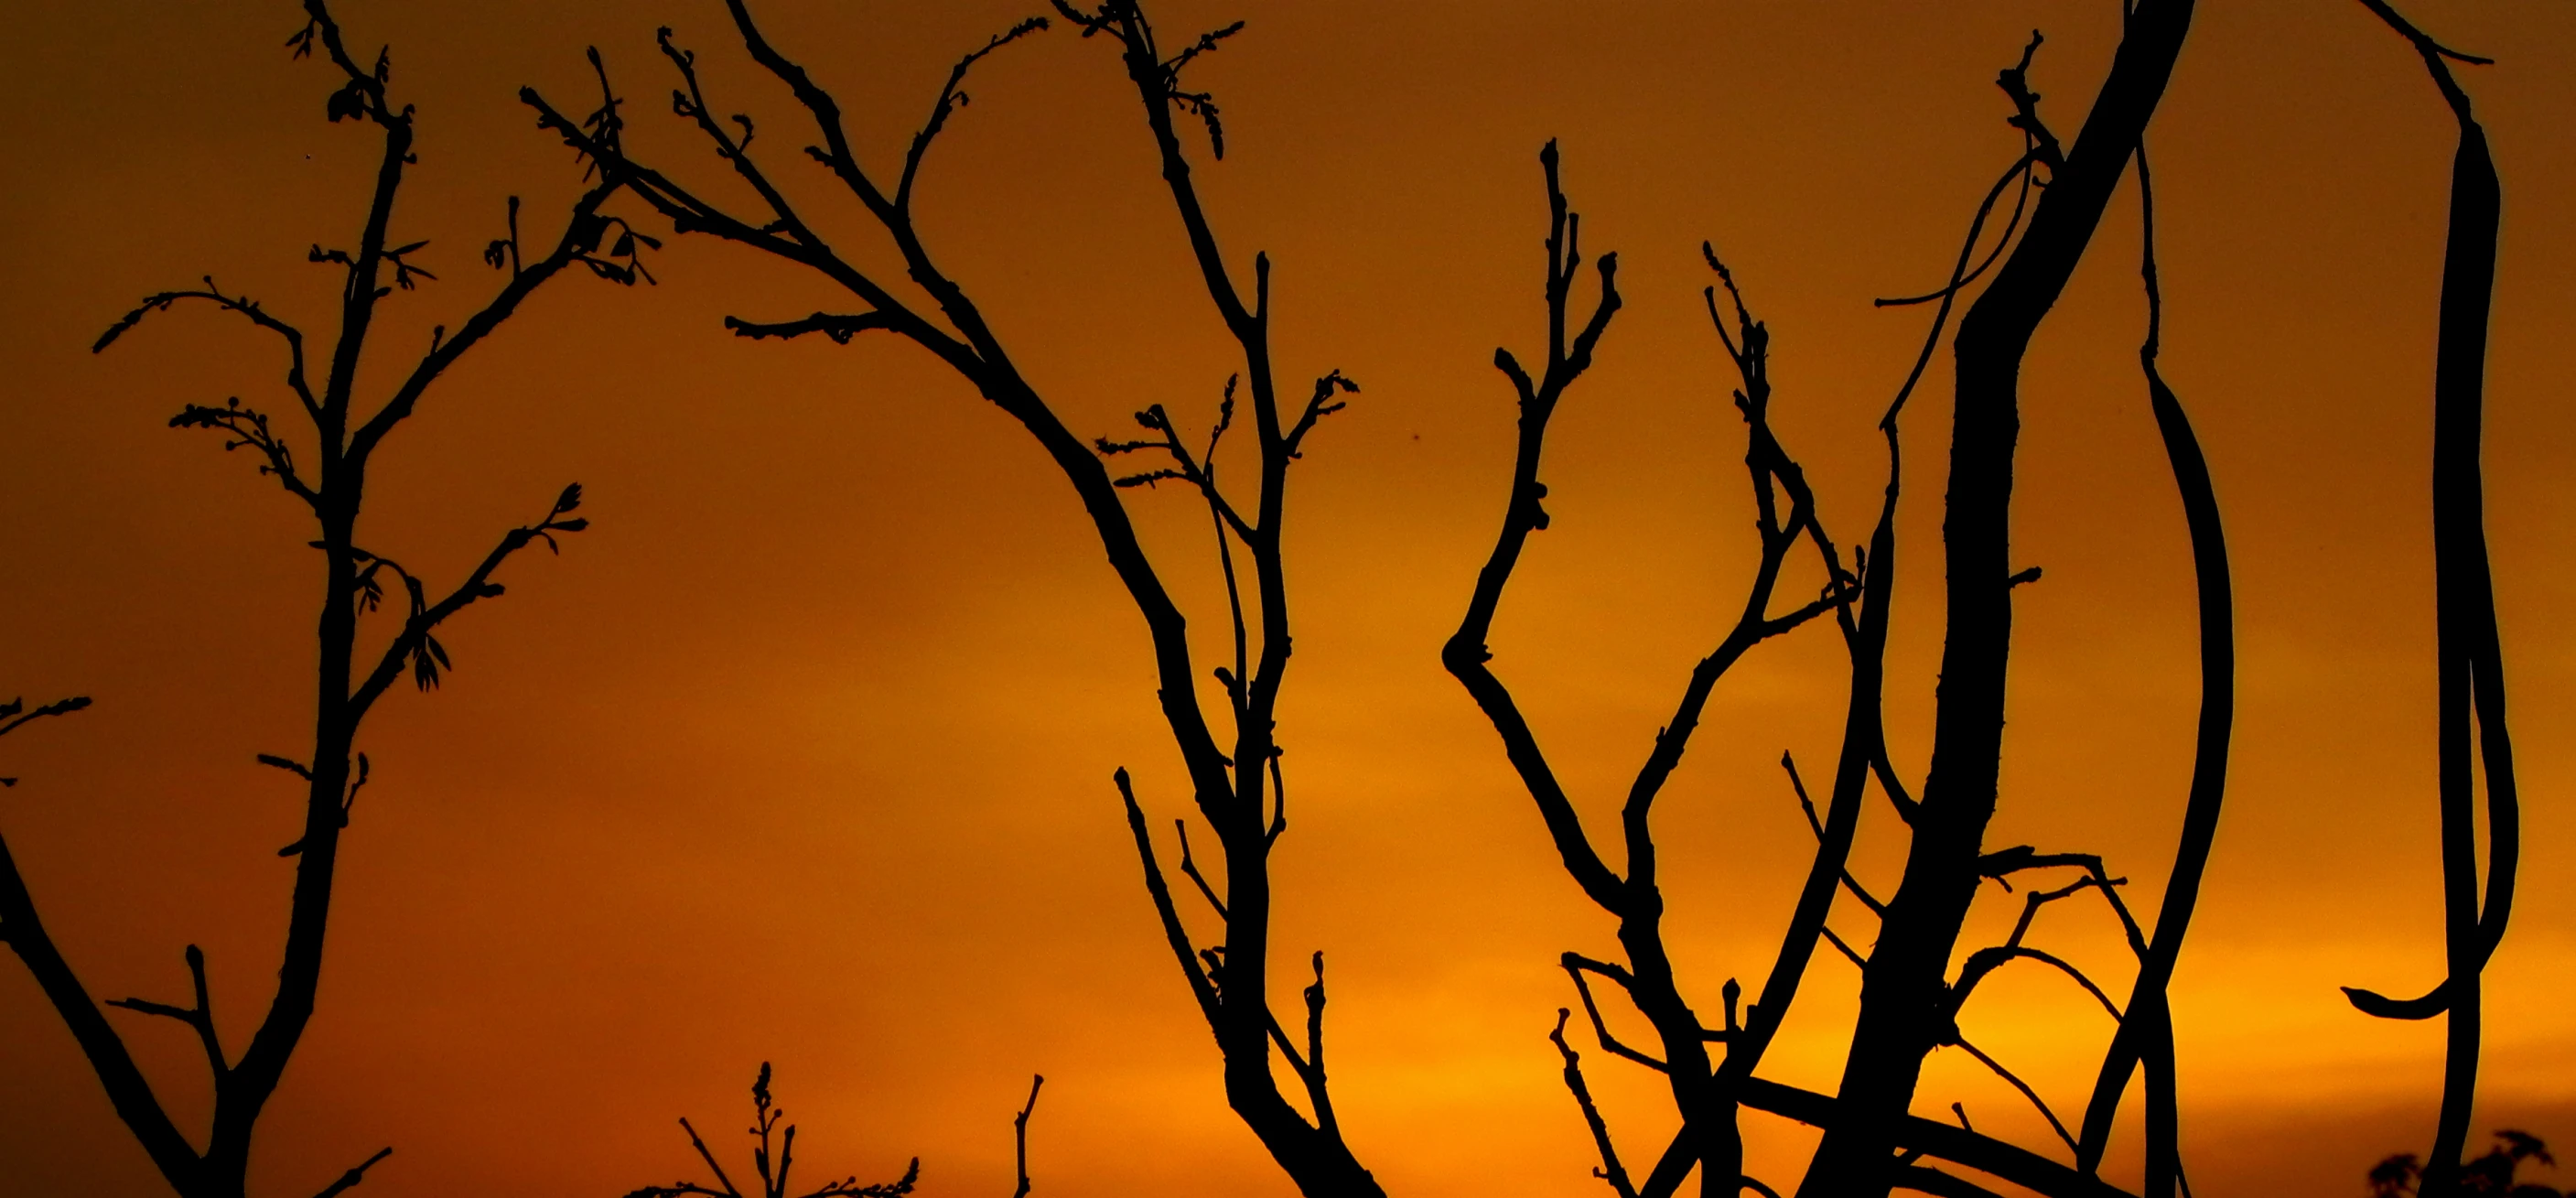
<point x="1917" y="975"/>
<point x="1910" y="1001"/>
<point x="1238" y="788"/>
<point x="356" y="579"/>
<point x="2489" y="1175"/>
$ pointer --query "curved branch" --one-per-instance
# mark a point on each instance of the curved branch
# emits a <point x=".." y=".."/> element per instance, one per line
<point x="1576" y="965"/>
<point x="950" y="100"/>
<point x="1986" y="960"/>
<point x="2147" y="1009"/>
<point x="582" y="233"/>
<point x="1958" y="1145"/>
<point x="2033" y="1095"/>
<point x="839" y="328"/>
<point x="248" y="309"/>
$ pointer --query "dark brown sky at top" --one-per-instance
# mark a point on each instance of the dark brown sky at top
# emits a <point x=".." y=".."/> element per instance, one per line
<point x="802" y="752"/>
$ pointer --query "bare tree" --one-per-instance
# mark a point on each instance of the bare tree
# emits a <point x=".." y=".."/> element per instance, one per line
<point x="1911" y="1000"/>
<point x="1238" y="786"/>
<point x="345" y="437"/>
<point x="2470" y="689"/>
<point x="1917" y="976"/>
<point x="1241" y="793"/>
<point x="2493" y="1173"/>
<point x="1707" y="1094"/>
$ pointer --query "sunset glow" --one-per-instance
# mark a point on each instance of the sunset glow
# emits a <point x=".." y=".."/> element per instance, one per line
<point x="802" y="751"/>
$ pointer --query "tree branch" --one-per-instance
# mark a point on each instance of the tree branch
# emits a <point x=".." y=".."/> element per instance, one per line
<point x="415" y="645"/>
<point x="581" y="236"/>
<point x="839" y="328"/>
<point x="351" y="1178"/>
<point x="1576" y="965"/>
<point x="200" y="1018"/>
<point x="1610" y="1171"/>
<point x="242" y="305"/>
<point x="951" y="98"/>
<point x="127" y="1089"/>
<point x="2018" y="1084"/>
<point x="1179" y="937"/>
<point x="1465" y="654"/>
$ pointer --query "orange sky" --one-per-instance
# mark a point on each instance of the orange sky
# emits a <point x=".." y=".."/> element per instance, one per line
<point x="801" y="753"/>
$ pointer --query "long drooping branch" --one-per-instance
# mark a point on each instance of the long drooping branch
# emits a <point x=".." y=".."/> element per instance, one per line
<point x="2470" y="688"/>
<point x="2147" y="1030"/>
<point x="1237" y="788"/>
<point x="1901" y="989"/>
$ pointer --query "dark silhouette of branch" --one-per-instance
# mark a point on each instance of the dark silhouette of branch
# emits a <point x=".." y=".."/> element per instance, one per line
<point x="200" y="1018"/>
<point x="1238" y="788"/>
<point x="1928" y="1180"/>
<point x="344" y="439"/>
<point x="1181" y="828"/>
<point x="1318" y="1097"/>
<point x="839" y="328"/>
<point x="247" y="426"/>
<point x="1610" y="1171"/>
<point x="2471" y="690"/>
<point x="1865" y="754"/>
<point x="2002" y="865"/>
<point x="14" y="714"/>
<point x="951" y="98"/>
<point x="349" y="1180"/>
<point x="1707" y="1109"/>
<point x="1897" y="1024"/>
<point x="1849" y="953"/>
<point x="1964" y="274"/>
<point x="241" y="305"/>
<point x="1202" y="986"/>
<point x="1986" y="960"/>
<point x="773" y="1156"/>
<point x="1857" y="598"/>
<point x="415" y="644"/>
<point x="2147" y="1031"/>
<point x="2017" y="1083"/>
<point x="1922" y="1137"/>
<point x="1817" y="825"/>
<point x="1020" y="1135"/>
<point x="1575" y="967"/>
<point x="1465" y="655"/>
<point x="127" y="1090"/>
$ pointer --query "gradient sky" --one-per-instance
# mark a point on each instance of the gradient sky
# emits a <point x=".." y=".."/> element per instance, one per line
<point x="801" y="753"/>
